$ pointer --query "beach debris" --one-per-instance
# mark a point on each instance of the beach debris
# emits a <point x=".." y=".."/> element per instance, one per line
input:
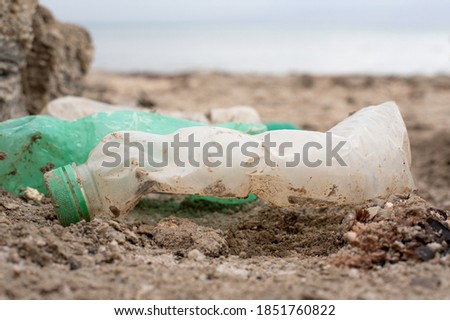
<point x="360" y="173"/>
<point x="74" y="108"/>
<point x="33" y="145"/>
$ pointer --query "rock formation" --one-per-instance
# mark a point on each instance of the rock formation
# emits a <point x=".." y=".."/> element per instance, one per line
<point x="40" y="58"/>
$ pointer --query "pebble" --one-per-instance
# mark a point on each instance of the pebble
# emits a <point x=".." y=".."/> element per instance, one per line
<point x="243" y="255"/>
<point x="353" y="273"/>
<point x="195" y="255"/>
<point x="101" y="249"/>
<point x="33" y="194"/>
<point x="350" y="236"/>
<point x="385" y="213"/>
<point x="11" y="206"/>
<point x="4" y="219"/>
<point x="435" y="246"/>
<point x="102" y="228"/>
<point x="373" y="211"/>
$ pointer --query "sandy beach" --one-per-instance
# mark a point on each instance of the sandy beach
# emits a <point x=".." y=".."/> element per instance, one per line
<point x="172" y="249"/>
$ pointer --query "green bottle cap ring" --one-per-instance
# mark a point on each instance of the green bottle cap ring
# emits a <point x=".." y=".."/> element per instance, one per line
<point x="68" y="199"/>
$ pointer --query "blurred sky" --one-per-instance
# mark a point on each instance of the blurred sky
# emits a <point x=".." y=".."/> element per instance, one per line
<point x="402" y="13"/>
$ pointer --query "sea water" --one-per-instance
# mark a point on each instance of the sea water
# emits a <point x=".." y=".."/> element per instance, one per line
<point x="276" y="47"/>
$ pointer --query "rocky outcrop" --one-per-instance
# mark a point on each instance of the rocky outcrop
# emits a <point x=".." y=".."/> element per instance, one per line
<point x="40" y="58"/>
<point x="16" y="36"/>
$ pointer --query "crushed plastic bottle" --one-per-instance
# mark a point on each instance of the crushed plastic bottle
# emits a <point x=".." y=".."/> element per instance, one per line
<point x="33" y="145"/>
<point x="373" y="162"/>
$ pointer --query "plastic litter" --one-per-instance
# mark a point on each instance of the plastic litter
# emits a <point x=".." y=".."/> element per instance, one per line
<point x="74" y="108"/>
<point x="235" y="114"/>
<point x="31" y="146"/>
<point x="375" y="151"/>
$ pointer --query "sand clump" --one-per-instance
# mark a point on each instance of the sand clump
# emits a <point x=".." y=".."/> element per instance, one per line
<point x="183" y="236"/>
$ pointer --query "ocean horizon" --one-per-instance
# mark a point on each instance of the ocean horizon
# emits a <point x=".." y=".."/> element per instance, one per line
<point x="268" y="48"/>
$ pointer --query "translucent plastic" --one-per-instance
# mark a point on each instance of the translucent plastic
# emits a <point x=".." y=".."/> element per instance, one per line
<point x="74" y="108"/>
<point x="373" y="161"/>
<point x="30" y="146"/>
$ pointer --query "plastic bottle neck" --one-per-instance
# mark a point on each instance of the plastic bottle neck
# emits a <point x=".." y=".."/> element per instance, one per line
<point x="89" y="190"/>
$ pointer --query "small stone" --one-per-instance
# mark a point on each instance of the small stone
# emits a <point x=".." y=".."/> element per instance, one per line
<point x="146" y="229"/>
<point x="243" y="255"/>
<point x="73" y="265"/>
<point x="130" y="236"/>
<point x="399" y="244"/>
<point x="40" y="242"/>
<point x="115" y="225"/>
<point x="33" y="194"/>
<point x="114" y="246"/>
<point x="353" y="273"/>
<point x="378" y="202"/>
<point x="388" y="205"/>
<point x="373" y="211"/>
<point x="102" y="228"/>
<point x="424" y="253"/>
<point x="195" y="255"/>
<point x="385" y="213"/>
<point x="393" y="198"/>
<point x="11" y="206"/>
<point x="14" y="257"/>
<point x="350" y="236"/>
<point x="4" y="219"/>
<point x="435" y="246"/>
<point x="92" y="250"/>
